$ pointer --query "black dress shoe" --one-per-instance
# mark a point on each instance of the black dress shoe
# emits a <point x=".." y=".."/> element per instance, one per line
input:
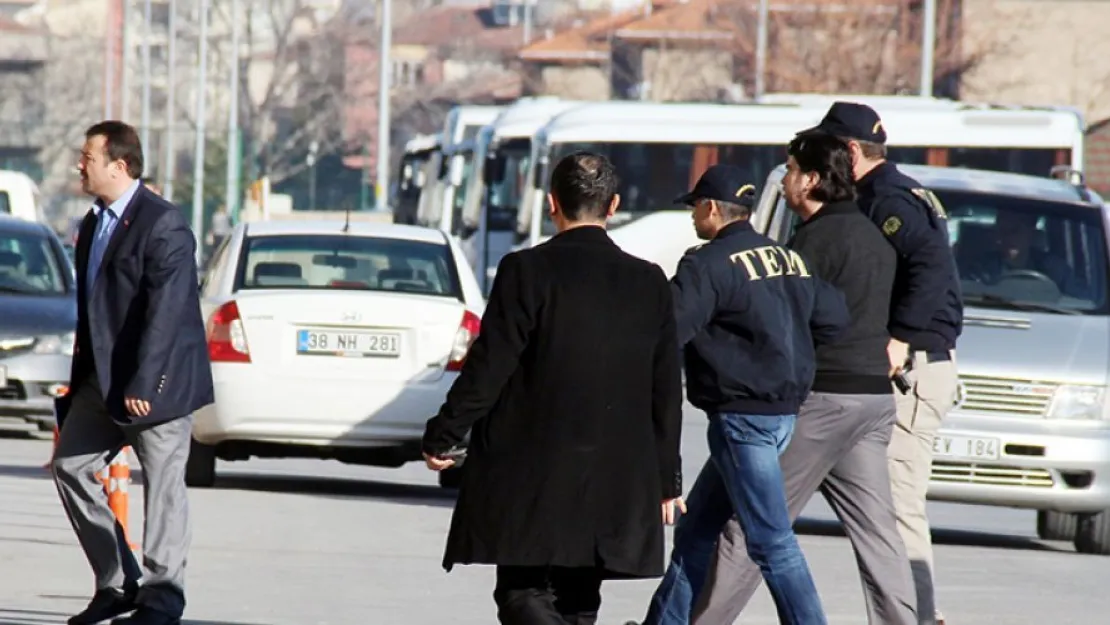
<point x="106" y="603"/>
<point x="148" y="616"/>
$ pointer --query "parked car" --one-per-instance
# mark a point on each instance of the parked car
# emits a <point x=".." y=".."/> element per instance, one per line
<point x="331" y="342"/>
<point x="38" y="317"/>
<point x="1031" y="427"/>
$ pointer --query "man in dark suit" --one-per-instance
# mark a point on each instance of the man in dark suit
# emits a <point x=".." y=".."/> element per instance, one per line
<point x="574" y="394"/>
<point x="140" y="369"/>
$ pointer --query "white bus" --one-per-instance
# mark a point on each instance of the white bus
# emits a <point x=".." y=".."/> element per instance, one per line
<point x="442" y="196"/>
<point x="413" y="175"/>
<point x="660" y="150"/>
<point x="486" y="225"/>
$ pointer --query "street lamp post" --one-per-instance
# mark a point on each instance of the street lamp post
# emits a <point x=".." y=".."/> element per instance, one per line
<point x="384" y="84"/>
<point x="202" y="114"/>
<point x="144" y="122"/>
<point x="928" y="45"/>
<point x="171" y="104"/>
<point x="125" y="69"/>
<point x="232" y="199"/>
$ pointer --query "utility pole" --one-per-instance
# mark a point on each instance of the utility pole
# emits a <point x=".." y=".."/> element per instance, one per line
<point x="528" y="17"/>
<point x="171" y="105"/>
<point x="125" y="74"/>
<point x="231" y="202"/>
<point x="384" y="83"/>
<point x="109" y="65"/>
<point x="761" y="50"/>
<point x="364" y="188"/>
<point x="202" y="113"/>
<point x="928" y="45"/>
<point x="313" y="148"/>
<point x="145" y="114"/>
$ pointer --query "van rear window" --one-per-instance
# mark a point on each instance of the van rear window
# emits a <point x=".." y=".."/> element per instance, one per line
<point x="5" y="204"/>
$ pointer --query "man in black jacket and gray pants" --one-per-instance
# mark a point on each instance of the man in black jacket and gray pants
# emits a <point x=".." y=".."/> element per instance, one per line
<point x="844" y="427"/>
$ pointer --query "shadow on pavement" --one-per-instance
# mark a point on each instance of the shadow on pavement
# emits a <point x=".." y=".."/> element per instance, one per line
<point x="961" y="538"/>
<point x="31" y="617"/>
<point x="24" y="471"/>
<point x="339" y="487"/>
<point x="41" y="617"/>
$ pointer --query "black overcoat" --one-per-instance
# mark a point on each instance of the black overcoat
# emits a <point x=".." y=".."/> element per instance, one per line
<point x="573" y="391"/>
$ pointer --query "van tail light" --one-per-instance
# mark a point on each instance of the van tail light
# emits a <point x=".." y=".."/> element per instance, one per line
<point x="227" y="341"/>
<point x="464" y="338"/>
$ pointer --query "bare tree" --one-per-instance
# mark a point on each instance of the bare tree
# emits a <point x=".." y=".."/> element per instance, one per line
<point x="864" y="46"/>
<point x="858" y="46"/>
<point x="69" y="94"/>
<point x="291" y="80"/>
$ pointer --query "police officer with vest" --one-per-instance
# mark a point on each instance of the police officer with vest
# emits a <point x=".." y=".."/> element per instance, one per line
<point x="926" y="319"/>
<point x="748" y="313"/>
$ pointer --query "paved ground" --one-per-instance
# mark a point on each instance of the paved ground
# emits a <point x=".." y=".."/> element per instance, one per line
<point x="303" y="542"/>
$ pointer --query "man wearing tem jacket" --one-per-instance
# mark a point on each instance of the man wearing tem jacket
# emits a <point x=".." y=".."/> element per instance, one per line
<point x="748" y="314"/>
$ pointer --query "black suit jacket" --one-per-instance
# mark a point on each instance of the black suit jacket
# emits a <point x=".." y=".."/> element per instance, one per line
<point x="140" y="330"/>
<point x="574" y="393"/>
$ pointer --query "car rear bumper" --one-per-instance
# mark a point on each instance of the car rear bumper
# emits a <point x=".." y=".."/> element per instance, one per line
<point x="329" y="413"/>
<point x="1040" y="465"/>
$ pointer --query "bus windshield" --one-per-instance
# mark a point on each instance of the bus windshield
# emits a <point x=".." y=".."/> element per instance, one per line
<point x="652" y="175"/>
<point x="505" y="194"/>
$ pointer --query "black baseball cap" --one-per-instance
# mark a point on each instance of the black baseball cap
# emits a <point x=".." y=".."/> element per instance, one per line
<point x="851" y="120"/>
<point x="724" y="183"/>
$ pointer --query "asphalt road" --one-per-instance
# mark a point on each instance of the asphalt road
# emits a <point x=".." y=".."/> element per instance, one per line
<point x="305" y="542"/>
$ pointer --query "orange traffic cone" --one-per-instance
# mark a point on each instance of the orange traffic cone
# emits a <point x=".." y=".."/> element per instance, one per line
<point x="116" y="478"/>
<point x="55" y="448"/>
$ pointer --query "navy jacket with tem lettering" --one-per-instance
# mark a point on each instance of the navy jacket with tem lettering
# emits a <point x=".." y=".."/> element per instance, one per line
<point x="749" y="313"/>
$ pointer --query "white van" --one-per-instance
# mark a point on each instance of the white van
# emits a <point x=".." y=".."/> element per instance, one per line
<point x="19" y="197"/>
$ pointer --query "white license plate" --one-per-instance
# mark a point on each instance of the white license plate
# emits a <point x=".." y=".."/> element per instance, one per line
<point x="340" y="343"/>
<point x="966" y="447"/>
<point x="3" y="376"/>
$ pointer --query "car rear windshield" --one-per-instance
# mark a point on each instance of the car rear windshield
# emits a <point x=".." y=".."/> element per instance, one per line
<point x="347" y="262"/>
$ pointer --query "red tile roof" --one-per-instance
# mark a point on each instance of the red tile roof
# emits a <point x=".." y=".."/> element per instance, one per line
<point x="675" y="20"/>
<point x="589" y="41"/>
<point x="445" y="26"/>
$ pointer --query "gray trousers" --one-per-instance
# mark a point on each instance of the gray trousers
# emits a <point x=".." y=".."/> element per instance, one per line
<point x="840" y="447"/>
<point x="87" y="441"/>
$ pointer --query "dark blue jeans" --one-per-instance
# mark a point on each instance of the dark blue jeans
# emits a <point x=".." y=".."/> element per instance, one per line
<point x="742" y="477"/>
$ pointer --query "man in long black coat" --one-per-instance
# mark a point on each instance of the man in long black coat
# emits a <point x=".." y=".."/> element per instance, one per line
<point x="574" y="394"/>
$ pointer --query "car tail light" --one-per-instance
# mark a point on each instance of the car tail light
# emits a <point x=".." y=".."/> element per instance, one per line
<point x="227" y="341"/>
<point x="464" y="338"/>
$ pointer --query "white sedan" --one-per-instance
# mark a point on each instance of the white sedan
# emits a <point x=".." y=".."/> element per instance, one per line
<point x="331" y="343"/>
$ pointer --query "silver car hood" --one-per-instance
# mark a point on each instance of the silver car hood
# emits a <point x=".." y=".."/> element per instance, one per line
<point x="1034" y="346"/>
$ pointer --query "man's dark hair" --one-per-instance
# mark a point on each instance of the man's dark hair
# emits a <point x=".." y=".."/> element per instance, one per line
<point x="831" y="160"/>
<point x="121" y="143"/>
<point x="584" y="184"/>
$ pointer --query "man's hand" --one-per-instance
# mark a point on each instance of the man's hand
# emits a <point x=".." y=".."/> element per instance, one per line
<point x="137" y="407"/>
<point x="438" y="464"/>
<point x="898" y="352"/>
<point x="669" y="506"/>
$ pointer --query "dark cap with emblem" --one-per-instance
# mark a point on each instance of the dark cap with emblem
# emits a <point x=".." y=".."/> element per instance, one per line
<point x="851" y="120"/>
<point x="724" y="183"/>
